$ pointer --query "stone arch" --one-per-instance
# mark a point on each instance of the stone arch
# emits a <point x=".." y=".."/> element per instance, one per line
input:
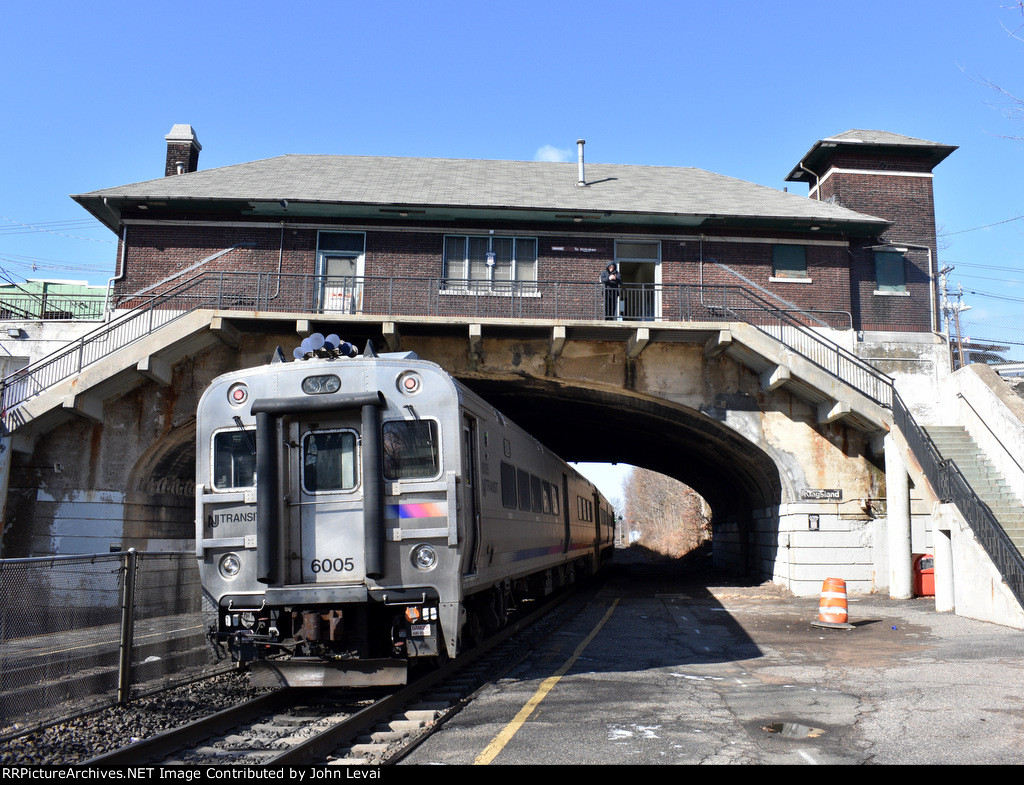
<point x="159" y="507"/>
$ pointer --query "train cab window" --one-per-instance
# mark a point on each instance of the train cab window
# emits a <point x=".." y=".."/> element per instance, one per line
<point x="411" y="449"/>
<point x="329" y="461"/>
<point x="234" y="460"/>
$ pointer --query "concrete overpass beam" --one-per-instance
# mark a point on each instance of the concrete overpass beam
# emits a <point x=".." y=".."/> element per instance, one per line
<point x="225" y="331"/>
<point x="718" y="343"/>
<point x="392" y="336"/>
<point x="637" y="341"/>
<point x="832" y="411"/>
<point x="557" y="341"/>
<point x="476" y="340"/>
<point x="155" y="369"/>
<point x="84" y="406"/>
<point x="774" y="378"/>
<point x="897" y="504"/>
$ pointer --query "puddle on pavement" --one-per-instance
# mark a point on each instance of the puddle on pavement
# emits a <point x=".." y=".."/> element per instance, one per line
<point x="793" y="730"/>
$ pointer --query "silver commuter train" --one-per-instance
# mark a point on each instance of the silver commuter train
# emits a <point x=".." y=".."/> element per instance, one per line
<point x="355" y="514"/>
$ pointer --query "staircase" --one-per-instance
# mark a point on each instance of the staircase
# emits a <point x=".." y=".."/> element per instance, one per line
<point x="955" y="444"/>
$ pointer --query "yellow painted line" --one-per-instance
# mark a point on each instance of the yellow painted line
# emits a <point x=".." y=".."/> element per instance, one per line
<point x="498" y="744"/>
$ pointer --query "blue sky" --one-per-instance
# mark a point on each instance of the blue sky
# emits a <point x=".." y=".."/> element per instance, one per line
<point x="740" y="88"/>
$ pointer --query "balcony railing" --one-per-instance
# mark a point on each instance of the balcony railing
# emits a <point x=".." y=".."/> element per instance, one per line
<point x="50" y="306"/>
<point x="138" y="316"/>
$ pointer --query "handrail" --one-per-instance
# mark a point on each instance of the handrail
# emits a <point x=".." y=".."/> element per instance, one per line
<point x="994" y="434"/>
<point x="25" y="383"/>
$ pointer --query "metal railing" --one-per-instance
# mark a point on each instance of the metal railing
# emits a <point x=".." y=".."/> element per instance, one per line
<point x="951" y="486"/>
<point x="435" y="297"/>
<point x="79" y="633"/>
<point x="49" y="306"/>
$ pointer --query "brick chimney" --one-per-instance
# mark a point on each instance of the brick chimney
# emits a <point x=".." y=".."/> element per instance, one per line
<point x="182" y="150"/>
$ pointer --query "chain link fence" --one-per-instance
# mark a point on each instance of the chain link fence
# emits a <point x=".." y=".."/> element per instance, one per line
<point x="78" y="633"/>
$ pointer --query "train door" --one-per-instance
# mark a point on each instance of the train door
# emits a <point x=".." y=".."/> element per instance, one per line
<point x="470" y="500"/>
<point x="326" y="543"/>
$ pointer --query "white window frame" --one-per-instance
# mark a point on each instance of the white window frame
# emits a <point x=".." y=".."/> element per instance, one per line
<point x="488" y="285"/>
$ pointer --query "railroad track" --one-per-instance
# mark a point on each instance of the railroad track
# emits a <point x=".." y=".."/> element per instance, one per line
<point x="310" y="727"/>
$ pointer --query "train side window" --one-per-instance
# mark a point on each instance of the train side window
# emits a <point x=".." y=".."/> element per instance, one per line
<point x="547" y="497"/>
<point x="329" y="461"/>
<point x="509" y="497"/>
<point x="537" y="494"/>
<point x="234" y="460"/>
<point x="525" y="502"/>
<point x="411" y="449"/>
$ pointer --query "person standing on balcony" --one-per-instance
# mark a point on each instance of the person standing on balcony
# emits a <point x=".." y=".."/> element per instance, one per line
<point x="611" y="279"/>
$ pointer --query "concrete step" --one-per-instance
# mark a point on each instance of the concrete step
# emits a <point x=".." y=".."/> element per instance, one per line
<point x="956" y="444"/>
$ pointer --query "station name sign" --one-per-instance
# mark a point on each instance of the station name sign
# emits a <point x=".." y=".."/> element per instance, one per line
<point x="573" y="249"/>
<point x="822" y="494"/>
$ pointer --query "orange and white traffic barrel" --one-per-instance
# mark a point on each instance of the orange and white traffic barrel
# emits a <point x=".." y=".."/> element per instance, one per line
<point x="832" y="607"/>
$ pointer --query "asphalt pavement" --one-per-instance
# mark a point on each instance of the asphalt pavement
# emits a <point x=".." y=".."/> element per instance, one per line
<point x="670" y="663"/>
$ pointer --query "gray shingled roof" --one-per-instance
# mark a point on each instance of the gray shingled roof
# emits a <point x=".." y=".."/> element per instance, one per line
<point x="887" y="141"/>
<point x="482" y="184"/>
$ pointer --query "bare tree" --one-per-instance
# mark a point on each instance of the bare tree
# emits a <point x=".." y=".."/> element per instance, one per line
<point x="1008" y="103"/>
<point x="671" y="518"/>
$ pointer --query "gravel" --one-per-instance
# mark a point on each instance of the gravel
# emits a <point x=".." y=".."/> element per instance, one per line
<point x="78" y="740"/>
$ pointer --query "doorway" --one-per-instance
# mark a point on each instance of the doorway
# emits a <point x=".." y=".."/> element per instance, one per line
<point x="639" y="264"/>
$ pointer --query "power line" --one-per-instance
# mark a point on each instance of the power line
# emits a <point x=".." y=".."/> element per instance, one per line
<point x="978" y="228"/>
<point x="59" y="234"/>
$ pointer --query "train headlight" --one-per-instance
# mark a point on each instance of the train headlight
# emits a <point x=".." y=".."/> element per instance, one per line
<point x="230" y="565"/>
<point x="319" y="385"/>
<point x="423" y="557"/>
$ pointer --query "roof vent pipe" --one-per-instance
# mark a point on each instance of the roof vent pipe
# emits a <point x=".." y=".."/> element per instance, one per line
<point x="579" y="146"/>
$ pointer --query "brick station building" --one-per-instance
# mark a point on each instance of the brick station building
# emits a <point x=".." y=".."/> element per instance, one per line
<point x="309" y="233"/>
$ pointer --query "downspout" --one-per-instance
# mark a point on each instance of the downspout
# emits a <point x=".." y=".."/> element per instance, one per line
<point x="280" y="266"/>
<point x="118" y="275"/>
<point x="817" y="181"/>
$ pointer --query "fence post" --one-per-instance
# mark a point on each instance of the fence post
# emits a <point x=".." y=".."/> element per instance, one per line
<point x="127" y="627"/>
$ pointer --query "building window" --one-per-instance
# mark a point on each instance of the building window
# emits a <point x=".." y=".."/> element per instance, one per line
<point x="487" y="264"/>
<point x="789" y="261"/>
<point x="890" y="275"/>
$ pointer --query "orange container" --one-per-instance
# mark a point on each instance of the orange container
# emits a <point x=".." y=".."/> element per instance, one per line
<point x="924" y="575"/>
